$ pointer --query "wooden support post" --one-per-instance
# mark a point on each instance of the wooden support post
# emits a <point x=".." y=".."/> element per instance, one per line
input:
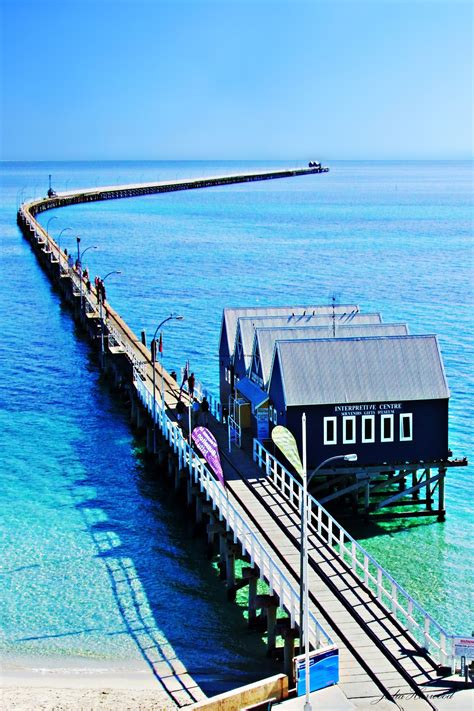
<point x="162" y="456"/>
<point x="271" y="634"/>
<point x="429" y="497"/>
<point x="222" y="555"/>
<point x="180" y="475"/>
<point x="149" y="439"/>
<point x="402" y="483"/>
<point x="252" y="575"/>
<point x="198" y="510"/>
<point x="414" y="482"/>
<point x="269" y="603"/>
<point x="367" y="496"/>
<point x="192" y="491"/>
<point x="284" y="629"/>
<point x="213" y="527"/>
<point x="138" y="417"/>
<point x="230" y="573"/>
<point x="289" y="653"/>
<point x="441" y="503"/>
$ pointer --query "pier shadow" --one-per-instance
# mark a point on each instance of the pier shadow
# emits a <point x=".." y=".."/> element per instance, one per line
<point x="166" y="591"/>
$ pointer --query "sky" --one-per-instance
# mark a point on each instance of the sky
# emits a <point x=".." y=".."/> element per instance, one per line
<point x="236" y="79"/>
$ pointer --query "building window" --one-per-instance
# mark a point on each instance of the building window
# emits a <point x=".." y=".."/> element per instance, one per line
<point x="406" y="427"/>
<point x="386" y="434"/>
<point x="330" y="430"/>
<point x="348" y="430"/>
<point x="227" y="375"/>
<point x="368" y="428"/>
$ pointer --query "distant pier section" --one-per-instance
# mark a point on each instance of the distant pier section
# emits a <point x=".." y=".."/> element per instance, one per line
<point x="113" y="192"/>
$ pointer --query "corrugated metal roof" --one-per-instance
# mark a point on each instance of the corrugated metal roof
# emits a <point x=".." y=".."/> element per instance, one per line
<point x="266" y="337"/>
<point x="247" y="325"/>
<point x="231" y="315"/>
<point x="357" y="370"/>
<point x="251" y="392"/>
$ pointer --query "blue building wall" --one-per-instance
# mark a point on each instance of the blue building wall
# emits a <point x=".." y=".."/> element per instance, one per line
<point x="225" y="364"/>
<point x="426" y="431"/>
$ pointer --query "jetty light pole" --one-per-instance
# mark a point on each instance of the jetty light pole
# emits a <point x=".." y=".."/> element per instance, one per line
<point x="171" y="317"/>
<point x="286" y="442"/>
<point x="101" y="313"/>
<point x="80" y="255"/>
<point x="54" y="217"/>
<point x="65" y="229"/>
<point x="304" y="603"/>
<point x="19" y="197"/>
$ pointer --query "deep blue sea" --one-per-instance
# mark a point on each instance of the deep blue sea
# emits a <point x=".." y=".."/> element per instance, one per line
<point x="91" y="542"/>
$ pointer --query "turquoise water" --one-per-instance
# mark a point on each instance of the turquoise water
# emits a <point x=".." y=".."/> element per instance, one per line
<point x="79" y="505"/>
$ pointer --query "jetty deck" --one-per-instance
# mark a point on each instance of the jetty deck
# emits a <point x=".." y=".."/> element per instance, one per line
<point x="388" y="645"/>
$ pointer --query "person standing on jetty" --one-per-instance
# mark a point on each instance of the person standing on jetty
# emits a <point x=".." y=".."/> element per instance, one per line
<point x="191" y="384"/>
<point x="204" y="420"/>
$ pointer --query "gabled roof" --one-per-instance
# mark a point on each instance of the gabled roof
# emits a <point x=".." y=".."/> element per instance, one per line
<point x="265" y="338"/>
<point x="359" y="370"/>
<point x="231" y="315"/>
<point x="246" y="326"/>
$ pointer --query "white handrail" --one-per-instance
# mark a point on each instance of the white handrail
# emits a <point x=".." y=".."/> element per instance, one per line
<point x="259" y="555"/>
<point x="397" y="601"/>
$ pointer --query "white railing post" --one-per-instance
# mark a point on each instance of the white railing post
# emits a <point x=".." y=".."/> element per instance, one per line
<point x="426" y="633"/>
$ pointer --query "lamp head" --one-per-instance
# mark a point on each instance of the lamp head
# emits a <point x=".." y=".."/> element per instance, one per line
<point x="350" y="457"/>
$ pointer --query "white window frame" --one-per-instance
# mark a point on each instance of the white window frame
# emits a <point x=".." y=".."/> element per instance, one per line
<point x="325" y="427"/>
<point x="368" y="418"/>
<point x="409" y="417"/>
<point x="345" y="419"/>
<point x="383" y="419"/>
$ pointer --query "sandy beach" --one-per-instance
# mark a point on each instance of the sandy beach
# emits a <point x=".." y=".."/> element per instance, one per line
<point x="46" y="684"/>
<point x="78" y="699"/>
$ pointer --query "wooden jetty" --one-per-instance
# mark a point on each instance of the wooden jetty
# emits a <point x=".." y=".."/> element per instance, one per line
<point x="388" y="645"/>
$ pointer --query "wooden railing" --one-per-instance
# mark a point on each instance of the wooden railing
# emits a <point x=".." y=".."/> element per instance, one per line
<point x="398" y="602"/>
<point x="228" y="512"/>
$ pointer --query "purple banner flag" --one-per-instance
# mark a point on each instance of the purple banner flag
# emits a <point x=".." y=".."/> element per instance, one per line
<point x="207" y="444"/>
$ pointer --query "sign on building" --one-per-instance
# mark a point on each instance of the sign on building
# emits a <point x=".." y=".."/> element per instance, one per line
<point x="261" y="415"/>
<point x="464" y="647"/>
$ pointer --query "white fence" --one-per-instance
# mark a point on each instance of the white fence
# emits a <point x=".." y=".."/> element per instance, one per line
<point x="288" y="594"/>
<point x="426" y="631"/>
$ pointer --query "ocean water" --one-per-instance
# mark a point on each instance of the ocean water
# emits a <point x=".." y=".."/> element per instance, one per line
<point x="78" y="503"/>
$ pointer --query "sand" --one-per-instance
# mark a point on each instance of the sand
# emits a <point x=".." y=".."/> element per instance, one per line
<point x="64" y="699"/>
<point x="37" y="684"/>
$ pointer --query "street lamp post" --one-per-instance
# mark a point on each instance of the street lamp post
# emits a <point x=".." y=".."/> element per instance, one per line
<point x="65" y="229"/>
<point x="304" y="602"/>
<point x="54" y="217"/>
<point x="286" y="442"/>
<point x="101" y="312"/>
<point x="80" y="255"/>
<point x="19" y="197"/>
<point x="171" y="317"/>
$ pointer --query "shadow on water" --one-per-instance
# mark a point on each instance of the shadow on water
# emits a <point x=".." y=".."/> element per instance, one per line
<point x="166" y="591"/>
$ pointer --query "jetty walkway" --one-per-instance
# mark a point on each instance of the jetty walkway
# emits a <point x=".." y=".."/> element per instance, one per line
<point x="389" y="647"/>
